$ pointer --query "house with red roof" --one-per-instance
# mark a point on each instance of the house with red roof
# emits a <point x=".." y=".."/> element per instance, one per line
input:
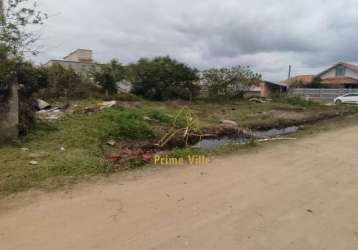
<point x="340" y="75"/>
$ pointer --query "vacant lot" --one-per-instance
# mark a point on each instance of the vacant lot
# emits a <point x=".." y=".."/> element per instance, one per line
<point x="295" y="195"/>
<point x="76" y="146"/>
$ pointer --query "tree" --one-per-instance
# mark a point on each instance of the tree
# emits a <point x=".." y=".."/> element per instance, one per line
<point x="163" y="78"/>
<point x="15" y="39"/>
<point x="61" y="81"/>
<point x="316" y="83"/>
<point x="108" y="75"/>
<point x="229" y="82"/>
<point x="16" y="17"/>
<point x="32" y="78"/>
<point x="56" y="81"/>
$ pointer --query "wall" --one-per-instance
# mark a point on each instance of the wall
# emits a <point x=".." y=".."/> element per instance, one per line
<point x="265" y="90"/>
<point x="321" y="93"/>
<point x="79" y="68"/>
<point x="351" y="73"/>
<point x="269" y="89"/>
<point x="81" y="55"/>
<point x="332" y="73"/>
<point x="9" y="115"/>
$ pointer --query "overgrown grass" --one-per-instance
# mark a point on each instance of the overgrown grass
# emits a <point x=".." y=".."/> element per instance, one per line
<point x="161" y="116"/>
<point x="82" y="156"/>
<point x="280" y="112"/>
<point x="127" y="97"/>
<point x="83" y="136"/>
<point x="127" y="124"/>
<point x="295" y="101"/>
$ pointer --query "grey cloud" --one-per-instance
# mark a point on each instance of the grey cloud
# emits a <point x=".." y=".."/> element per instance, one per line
<point x="265" y="34"/>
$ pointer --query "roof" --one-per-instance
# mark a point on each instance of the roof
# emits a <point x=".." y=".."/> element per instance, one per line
<point x="347" y="65"/>
<point x="339" y="80"/>
<point x="77" y="50"/>
<point x="67" y="61"/>
<point x="305" y="79"/>
<point x="72" y="62"/>
<point x="351" y="66"/>
<point x="281" y="84"/>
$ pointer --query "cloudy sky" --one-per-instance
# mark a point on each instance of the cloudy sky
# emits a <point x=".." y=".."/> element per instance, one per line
<point x="264" y="34"/>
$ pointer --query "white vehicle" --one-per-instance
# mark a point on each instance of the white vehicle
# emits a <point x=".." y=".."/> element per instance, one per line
<point x="347" y="98"/>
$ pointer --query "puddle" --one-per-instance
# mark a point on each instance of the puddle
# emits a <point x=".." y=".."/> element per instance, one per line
<point x="209" y="144"/>
<point x="275" y="132"/>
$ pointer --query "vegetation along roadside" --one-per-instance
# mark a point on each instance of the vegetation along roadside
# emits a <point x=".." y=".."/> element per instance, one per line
<point x="123" y="137"/>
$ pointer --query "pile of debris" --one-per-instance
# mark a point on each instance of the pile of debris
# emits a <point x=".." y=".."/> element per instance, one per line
<point x="260" y="100"/>
<point x="46" y="112"/>
<point x="123" y="152"/>
<point x="126" y="151"/>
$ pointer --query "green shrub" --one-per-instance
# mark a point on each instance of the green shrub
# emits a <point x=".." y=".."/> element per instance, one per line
<point x="107" y="76"/>
<point x="125" y="124"/>
<point x="65" y="82"/>
<point x="294" y="101"/>
<point x="126" y="97"/>
<point x="229" y="83"/>
<point x="163" y="78"/>
<point x="161" y="116"/>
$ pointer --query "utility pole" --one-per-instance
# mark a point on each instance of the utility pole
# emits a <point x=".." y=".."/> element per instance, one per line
<point x="289" y="72"/>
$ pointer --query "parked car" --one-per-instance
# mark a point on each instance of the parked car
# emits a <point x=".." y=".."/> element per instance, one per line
<point x="347" y="98"/>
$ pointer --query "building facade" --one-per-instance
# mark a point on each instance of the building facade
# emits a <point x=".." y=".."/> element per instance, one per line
<point x="340" y="75"/>
<point x="80" y="61"/>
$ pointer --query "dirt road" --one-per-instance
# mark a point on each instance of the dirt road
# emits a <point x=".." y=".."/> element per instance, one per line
<point x="292" y="195"/>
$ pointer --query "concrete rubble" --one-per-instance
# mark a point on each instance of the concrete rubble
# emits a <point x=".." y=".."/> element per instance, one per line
<point x="229" y="122"/>
<point x="46" y="113"/>
<point x="41" y="105"/>
<point x="105" y="105"/>
<point x="50" y="114"/>
<point x="111" y="143"/>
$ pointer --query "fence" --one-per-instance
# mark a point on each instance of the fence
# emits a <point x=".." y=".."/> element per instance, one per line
<point x="322" y="93"/>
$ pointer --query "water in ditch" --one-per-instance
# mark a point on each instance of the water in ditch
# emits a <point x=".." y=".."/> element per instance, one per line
<point x="208" y="144"/>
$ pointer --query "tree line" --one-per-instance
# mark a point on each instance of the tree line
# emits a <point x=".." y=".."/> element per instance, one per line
<point x="159" y="78"/>
<point x="164" y="78"/>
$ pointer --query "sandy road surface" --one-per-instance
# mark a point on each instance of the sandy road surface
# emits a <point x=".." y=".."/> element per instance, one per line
<point x="292" y="195"/>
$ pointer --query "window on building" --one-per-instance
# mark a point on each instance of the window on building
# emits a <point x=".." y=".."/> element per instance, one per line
<point x="340" y="71"/>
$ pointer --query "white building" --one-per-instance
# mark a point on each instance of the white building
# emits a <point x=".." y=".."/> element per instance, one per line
<point x="79" y="60"/>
